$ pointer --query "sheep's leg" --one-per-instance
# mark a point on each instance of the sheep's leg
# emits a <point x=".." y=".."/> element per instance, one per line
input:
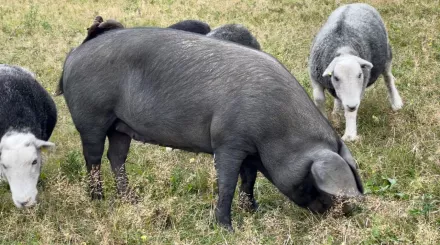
<point x="393" y="94"/>
<point x="350" y="126"/>
<point x="319" y="96"/>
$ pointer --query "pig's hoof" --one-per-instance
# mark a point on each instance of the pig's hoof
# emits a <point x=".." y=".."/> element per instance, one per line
<point x="227" y="227"/>
<point x="254" y="206"/>
<point x="129" y="196"/>
<point x="349" y="137"/>
<point x="224" y="221"/>
<point x="247" y="203"/>
<point x="97" y="195"/>
<point x="250" y="206"/>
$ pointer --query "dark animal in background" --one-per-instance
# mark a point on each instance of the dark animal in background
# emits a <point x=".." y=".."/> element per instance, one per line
<point x="27" y="118"/>
<point x="348" y="54"/>
<point x="187" y="91"/>
<point x="235" y="33"/>
<point x="194" y="26"/>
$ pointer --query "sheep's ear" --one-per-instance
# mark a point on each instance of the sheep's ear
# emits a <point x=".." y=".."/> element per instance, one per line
<point x="334" y="176"/>
<point x="364" y="63"/>
<point x="329" y="70"/>
<point x="44" y="145"/>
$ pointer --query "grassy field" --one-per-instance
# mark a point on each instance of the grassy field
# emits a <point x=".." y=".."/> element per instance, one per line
<point x="398" y="154"/>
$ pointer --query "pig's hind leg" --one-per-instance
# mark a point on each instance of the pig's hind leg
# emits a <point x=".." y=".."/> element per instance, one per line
<point x="93" y="140"/>
<point x="119" y="145"/>
<point x="248" y="175"/>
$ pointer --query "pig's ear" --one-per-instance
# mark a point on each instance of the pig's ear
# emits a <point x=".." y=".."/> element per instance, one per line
<point x="344" y="152"/>
<point x="334" y="176"/>
<point x="111" y="24"/>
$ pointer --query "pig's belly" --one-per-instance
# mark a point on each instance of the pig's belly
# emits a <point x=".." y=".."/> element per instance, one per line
<point x="194" y="142"/>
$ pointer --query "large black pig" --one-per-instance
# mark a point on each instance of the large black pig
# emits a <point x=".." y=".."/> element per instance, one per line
<point x="191" y="92"/>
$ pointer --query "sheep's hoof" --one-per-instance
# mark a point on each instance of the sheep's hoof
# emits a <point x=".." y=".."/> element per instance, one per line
<point x="348" y="137"/>
<point x="170" y="149"/>
<point x="397" y="104"/>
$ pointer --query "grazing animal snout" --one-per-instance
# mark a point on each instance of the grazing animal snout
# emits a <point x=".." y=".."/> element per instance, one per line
<point x="352" y="107"/>
<point x="349" y="206"/>
<point x="23" y="204"/>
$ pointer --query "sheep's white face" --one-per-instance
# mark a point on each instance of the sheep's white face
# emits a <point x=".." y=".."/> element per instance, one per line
<point x="20" y="164"/>
<point x="347" y="77"/>
<point x="348" y="81"/>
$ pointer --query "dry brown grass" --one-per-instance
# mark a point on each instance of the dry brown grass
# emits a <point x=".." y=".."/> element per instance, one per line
<point x="178" y="194"/>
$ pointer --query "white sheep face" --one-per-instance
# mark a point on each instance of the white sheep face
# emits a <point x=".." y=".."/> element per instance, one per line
<point x="20" y="164"/>
<point x="347" y="77"/>
<point x="348" y="81"/>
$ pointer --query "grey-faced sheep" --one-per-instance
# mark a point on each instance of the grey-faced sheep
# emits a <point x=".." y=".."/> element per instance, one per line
<point x="27" y="119"/>
<point x="348" y="54"/>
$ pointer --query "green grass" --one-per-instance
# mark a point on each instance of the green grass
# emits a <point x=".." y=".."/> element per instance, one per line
<point x="398" y="154"/>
